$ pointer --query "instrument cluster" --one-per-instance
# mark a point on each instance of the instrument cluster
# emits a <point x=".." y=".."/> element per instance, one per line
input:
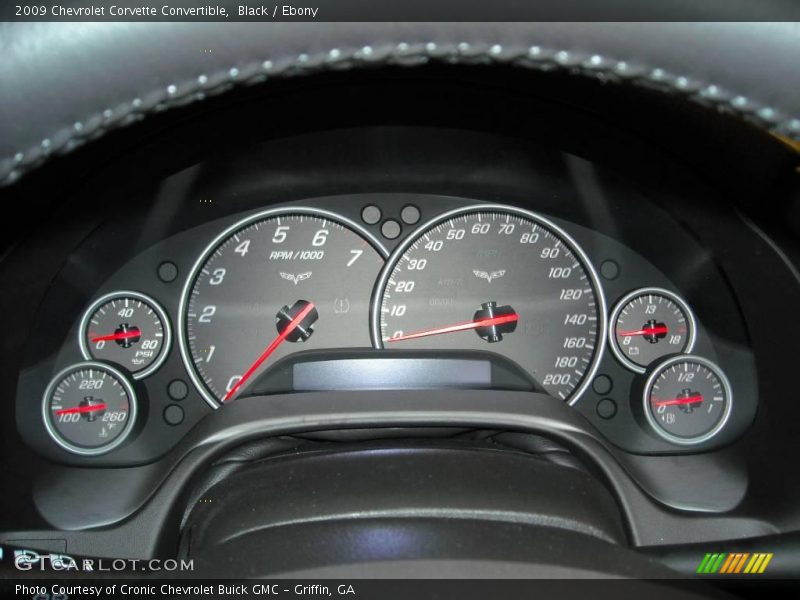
<point x="219" y="311"/>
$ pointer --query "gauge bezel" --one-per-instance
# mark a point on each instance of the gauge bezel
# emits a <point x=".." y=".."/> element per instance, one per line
<point x="710" y="365"/>
<point x="625" y="300"/>
<point x="399" y="251"/>
<point x="162" y="314"/>
<point x="132" y="408"/>
<point x="217" y="241"/>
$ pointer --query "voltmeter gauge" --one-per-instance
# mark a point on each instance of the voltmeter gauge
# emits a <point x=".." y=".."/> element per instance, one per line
<point x="687" y="400"/>
<point x="128" y="329"/>
<point x="89" y="408"/>
<point x="649" y="324"/>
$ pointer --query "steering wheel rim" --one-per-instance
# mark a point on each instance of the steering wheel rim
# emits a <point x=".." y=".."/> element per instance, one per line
<point x="93" y="78"/>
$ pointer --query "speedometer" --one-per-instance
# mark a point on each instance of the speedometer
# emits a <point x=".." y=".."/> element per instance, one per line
<point x="280" y="281"/>
<point x="496" y="278"/>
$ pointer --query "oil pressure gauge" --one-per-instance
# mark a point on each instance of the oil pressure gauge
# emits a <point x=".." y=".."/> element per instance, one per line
<point x="687" y="399"/>
<point x="89" y="408"/>
<point x="126" y="328"/>
<point x="649" y="324"/>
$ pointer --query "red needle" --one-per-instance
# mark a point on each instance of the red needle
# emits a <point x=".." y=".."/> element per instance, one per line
<point x="80" y="409"/>
<point x="270" y="349"/>
<point x="645" y="331"/>
<point x="124" y="335"/>
<point x="500" y="320"/>
<point x="679" y="401"/>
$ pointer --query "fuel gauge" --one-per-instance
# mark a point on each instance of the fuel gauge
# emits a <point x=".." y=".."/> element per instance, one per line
<point x="687" y="399"/>
<point x="649" y="324"/>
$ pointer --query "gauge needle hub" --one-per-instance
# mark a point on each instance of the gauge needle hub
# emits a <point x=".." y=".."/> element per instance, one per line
<point x="306" y="316"/>
<point x="505" y="318"/>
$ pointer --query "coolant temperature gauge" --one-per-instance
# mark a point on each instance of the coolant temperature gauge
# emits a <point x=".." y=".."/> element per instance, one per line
<point x="89" y="408"/>
<point x="687" y="399"/>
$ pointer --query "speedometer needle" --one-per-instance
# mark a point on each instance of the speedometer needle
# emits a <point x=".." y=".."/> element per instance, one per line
<point x="81" y="409"/>
<point x="679" y="401"/>
<point x="290" y="327"/>
<point x="489" y="322"/>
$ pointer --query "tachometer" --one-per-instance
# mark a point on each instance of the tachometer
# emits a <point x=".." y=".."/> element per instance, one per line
<point x="279" y="281"/>
<point x="496" y="278"/>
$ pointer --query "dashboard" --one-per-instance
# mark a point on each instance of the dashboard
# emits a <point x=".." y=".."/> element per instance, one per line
<point x="390" y="291"/>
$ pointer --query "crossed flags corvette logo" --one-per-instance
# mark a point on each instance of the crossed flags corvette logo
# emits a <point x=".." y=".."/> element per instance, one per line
<point x="489" y="276"/>
<point x="296" y="278"/>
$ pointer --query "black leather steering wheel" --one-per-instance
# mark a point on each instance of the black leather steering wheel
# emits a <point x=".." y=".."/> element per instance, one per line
<point x="63" y="85"/>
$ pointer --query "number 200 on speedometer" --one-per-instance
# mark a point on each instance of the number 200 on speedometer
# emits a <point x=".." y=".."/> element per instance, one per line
<point x="501" y="279"/>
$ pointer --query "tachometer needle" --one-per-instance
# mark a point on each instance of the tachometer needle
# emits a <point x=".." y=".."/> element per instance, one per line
<point x="658" y="329"/>
<point x="499" y="320"/>
<point x="122" y="335"/>
<point x="81" y="409"/>
<point x="290" y="327"/>
<point x="679" y="401"/>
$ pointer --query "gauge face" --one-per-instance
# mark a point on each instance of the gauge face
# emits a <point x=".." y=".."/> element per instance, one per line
<point x="499" y="279"/>
<point x="687" y="399"/>
<point x="278" y="282"/>
<point x="89" y="408"/>
<point x="126" y="328"/>
<point x="649" y="324"/>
